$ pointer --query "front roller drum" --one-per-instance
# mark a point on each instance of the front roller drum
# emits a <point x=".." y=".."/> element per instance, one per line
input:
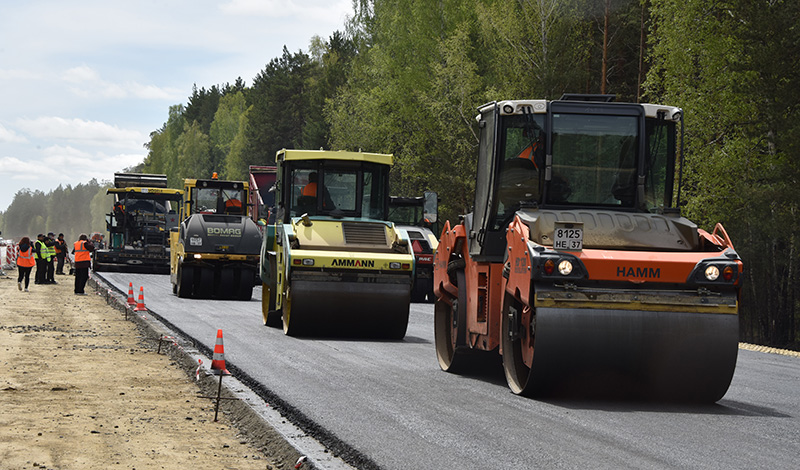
<point x="673" y="356"/>
<point x="320" y="308"/>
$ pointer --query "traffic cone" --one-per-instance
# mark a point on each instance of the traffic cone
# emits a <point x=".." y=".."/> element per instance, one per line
<point x="218" y="361"/>
<point x="130" y="294"/>
<point x="140" y="304"/>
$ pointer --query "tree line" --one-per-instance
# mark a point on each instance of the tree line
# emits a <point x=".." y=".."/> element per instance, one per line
<point x="406" y="76"/>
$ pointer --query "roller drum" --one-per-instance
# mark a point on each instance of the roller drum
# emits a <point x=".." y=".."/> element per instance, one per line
<point x="350" y="308"/>
<point x="684" y="356"/>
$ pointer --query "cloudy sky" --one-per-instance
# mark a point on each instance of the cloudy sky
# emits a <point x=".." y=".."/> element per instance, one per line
<point x="84" y="82"/>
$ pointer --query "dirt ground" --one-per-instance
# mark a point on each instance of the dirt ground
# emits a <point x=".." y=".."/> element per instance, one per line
<point x="82" y="388"/>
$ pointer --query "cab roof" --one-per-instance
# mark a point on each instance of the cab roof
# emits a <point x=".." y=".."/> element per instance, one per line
<point x="293" y="155"/>
<point x="137" y="190"/>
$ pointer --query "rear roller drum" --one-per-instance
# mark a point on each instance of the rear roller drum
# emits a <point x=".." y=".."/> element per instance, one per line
<point x="289" y="328"/>
<point x="270" y="315"/>
<point x="450" y="322"/>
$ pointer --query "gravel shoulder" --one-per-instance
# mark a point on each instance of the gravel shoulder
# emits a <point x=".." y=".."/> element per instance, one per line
<point x="84" y="388"/>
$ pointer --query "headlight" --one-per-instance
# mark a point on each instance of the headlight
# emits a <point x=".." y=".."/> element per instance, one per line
<point x="565" y="268"/>
<point x="712" y="273"/>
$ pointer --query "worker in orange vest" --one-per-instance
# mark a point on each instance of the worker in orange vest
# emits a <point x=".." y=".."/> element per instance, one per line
<point x="25" y="262"/>
<point x="233" y="206"/>
<point x="310" y="189"/>
<point x="82" y="250"/>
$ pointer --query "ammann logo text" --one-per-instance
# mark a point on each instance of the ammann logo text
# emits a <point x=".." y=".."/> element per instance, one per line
<point x="653" y="273"/>
<point x="354" y="263"/>
<point x="224" y="232"/>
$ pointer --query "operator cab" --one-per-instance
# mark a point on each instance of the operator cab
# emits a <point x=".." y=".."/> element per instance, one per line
<point x="575" y="153"/>
<point x="332" y="187"/>
<point x="217" y="197"/>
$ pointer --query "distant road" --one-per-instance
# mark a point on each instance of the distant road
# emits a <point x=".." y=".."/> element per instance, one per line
<point x="391" y="402"/>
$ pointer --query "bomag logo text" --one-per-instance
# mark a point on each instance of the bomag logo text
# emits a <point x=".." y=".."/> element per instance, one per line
<point x="354" y="263"/>
<point x="224" y="232"/>
<point x="652" y="273"/>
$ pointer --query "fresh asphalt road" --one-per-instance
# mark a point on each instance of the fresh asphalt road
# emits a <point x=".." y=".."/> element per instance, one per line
<point x="390" y="401"/>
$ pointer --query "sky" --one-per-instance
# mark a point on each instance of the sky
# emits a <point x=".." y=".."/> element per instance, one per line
<point x="83" y="83"/>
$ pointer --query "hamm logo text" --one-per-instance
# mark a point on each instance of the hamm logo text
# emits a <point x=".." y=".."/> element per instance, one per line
<point x="652" y="273"/>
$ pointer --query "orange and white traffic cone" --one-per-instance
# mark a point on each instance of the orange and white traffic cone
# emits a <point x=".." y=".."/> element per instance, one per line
<point x="140" y="304"/>
<point x="130" y="294"/>
<point x="218" y="361"/>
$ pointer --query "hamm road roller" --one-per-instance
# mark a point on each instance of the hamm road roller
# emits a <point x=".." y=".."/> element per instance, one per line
<point x="334" y="264"/>
<point x="214" y="252"/>
<point x="576" y="266"/>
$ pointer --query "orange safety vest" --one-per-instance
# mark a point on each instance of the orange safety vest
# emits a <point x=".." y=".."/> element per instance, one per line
<point x="529" y="153"/>
<point x="25" y="258"/>
<point x="81" y="253"/>
<point x="233" y="203"/>
<point x="310" y="189"/>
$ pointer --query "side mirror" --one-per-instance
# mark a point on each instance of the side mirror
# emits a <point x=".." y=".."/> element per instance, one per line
<point x="431" y="208"/>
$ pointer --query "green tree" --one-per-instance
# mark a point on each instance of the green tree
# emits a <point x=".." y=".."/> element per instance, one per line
<point x="194" y="159"/>
<point x="732" y="67"/>
<point x="225" y="128"/>
<point x="162" y="156"/>
<point x="280" y="107"/>
<point x="236" y="165"/>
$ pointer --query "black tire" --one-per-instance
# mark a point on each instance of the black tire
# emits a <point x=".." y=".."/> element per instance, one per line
<point x="227" y="283"/>
<point x="185" y="285"/>
<point x="244" y="290"/>
<point x="204" y="283"/>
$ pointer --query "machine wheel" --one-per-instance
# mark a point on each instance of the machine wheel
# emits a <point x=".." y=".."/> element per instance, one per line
<point x="227" y="283"/>
<point x="245" y="286"/>
<point x="450" y="328"/>
<point x="185" y="281"/>
<point x="205" y="283"/>
<point x="518" y="338"/>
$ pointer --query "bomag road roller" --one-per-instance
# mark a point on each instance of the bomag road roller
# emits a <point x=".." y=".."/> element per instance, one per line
<point x="334" y="263"/>
<point x="576" y="266"/>
<point x="143" y="213"/>
<point x="215" y="250"/>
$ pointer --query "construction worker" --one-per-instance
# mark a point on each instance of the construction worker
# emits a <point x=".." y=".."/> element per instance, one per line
<point x="310" y="189"/>
<point x="534" y="152"/>
<point x="61" y="253"/>
<point x="40" y="254"/>
<point x="82" y="249"/>
<point x="50" y="243"/>
<point x="233" y="205"/>
<point x="25" y="262"/>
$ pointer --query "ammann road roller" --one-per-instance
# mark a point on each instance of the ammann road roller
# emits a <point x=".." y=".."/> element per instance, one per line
<point x="334" y="263"/>
<point x="576" y="264"/>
